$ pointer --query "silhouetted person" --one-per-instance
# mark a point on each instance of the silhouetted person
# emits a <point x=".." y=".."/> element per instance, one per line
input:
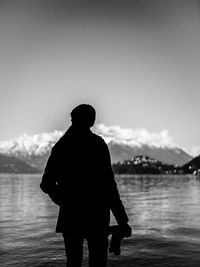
<point x="79" y="178"/>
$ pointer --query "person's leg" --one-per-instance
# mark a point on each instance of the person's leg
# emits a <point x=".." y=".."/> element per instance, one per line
<point x="98" y="247"/>
<point x="73" y="249"/>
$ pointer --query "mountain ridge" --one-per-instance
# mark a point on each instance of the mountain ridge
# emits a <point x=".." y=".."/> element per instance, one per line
<point x="35" y="149"/>
<point x="10" y="164"/>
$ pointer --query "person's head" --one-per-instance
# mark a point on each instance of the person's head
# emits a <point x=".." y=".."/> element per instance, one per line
<point x="83" y="115"/>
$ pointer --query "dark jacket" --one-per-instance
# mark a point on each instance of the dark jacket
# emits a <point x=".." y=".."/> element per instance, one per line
<point x="79" y="178"/>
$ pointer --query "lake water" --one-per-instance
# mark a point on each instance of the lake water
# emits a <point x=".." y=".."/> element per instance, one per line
<point x="164" y="213"/>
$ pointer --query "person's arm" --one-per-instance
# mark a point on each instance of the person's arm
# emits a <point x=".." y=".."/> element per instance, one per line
<point x="115" y="202"/>
<point x="49" y="179"/>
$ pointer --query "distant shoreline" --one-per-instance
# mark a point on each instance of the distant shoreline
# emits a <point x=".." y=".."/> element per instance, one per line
<point x="116" y="175"/>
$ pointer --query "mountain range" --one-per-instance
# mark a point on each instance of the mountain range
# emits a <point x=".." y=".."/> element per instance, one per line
<point x="176" y="156"/>
<point x="34" y="150"/>
<point x="9" y="164"/>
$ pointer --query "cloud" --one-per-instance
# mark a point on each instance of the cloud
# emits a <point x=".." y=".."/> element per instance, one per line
<point x="31" y="144"/>
<point x="41" y="143"/>
<point x="135" y="137"/>
<point x="193" y="150"/>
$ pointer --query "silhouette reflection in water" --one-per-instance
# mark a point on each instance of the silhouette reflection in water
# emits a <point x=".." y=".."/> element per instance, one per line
<point x="79" y="178"/>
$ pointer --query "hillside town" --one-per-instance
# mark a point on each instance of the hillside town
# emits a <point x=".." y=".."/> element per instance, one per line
<point x="145" y="165"/>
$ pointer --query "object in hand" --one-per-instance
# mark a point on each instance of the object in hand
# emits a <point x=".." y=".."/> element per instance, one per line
<point x="118" y="233"/>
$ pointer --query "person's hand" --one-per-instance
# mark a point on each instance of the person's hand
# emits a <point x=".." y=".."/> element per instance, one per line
<point x="126" y="229"/>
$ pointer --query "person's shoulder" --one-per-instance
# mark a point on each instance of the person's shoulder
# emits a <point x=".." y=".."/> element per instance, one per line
<point x="59" y="144"/>
<point x="99" y="139"/>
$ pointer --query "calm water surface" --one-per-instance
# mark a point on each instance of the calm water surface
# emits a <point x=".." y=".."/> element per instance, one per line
<point x="164" y="212"/>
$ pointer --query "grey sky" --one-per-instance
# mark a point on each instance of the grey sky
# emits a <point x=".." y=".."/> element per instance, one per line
<point x="137" y="62"/>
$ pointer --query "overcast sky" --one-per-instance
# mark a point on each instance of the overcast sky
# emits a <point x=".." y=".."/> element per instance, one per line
<point x="137" y="62"/>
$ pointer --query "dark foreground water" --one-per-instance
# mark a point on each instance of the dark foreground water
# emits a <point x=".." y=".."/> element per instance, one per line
<point x="164" y="212"/>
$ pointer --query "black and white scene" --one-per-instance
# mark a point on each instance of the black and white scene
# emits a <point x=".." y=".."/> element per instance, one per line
<point x="99" y="133"/>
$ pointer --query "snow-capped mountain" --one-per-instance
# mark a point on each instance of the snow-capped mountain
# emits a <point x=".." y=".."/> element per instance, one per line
<point x="37" y="144"/>
<point x="127" y="143"/>
<point x="176" y="156"/>
<point x="32" y="149"/>
<point x="123" y="144"/>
